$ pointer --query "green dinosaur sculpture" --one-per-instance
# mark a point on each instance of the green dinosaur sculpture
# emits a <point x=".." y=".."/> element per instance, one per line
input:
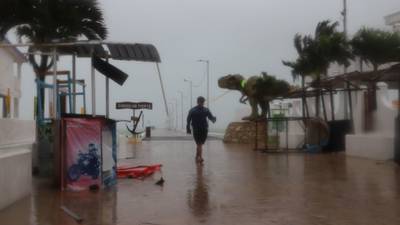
<point x="258" y="90"/>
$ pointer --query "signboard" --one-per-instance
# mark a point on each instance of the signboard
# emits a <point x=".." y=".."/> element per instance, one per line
<point x="89" y="153"/>
<point x="134" y="105"/>
<point x="83" y="153"/>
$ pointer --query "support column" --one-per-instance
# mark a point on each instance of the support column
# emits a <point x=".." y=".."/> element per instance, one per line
<point x="55" y="91"/>
<point x="162" y="89"/>
<point x="93" y="86"/>
<point x="107" y="96"/>
<point x="73" y="83"/>
<point x="16" y="103"/>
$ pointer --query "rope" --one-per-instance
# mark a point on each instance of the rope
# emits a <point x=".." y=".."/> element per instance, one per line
<point x="220" y="96"/>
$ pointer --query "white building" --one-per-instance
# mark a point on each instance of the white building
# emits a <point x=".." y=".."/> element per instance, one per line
<point x="394" y="21"/>
<point x="376" y="143"/>
<point x="379" y="143"/>
<point x="16" y="136"/>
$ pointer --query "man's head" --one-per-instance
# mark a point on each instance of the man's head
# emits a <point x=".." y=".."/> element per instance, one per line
<point x="200" y="100"/>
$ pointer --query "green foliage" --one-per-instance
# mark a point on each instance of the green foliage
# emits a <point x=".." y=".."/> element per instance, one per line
<point x="301" y="66"/>
<point x="43" y="21"/>
<point x="376" y="46"/>
<point x="269" y="87"/>
<point x="46" y="21"/>
<point x="316" y="53"/>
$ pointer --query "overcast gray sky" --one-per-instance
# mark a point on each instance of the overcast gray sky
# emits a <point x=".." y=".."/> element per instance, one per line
<point x="237" y="36"/>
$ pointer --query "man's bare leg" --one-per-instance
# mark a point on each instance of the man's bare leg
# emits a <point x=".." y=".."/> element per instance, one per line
<point x="199" y="156"/>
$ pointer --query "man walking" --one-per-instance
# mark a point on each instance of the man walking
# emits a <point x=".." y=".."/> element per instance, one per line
<point x="197" y="117"/>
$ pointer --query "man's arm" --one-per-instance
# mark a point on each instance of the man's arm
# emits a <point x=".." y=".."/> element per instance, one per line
<point x="211" y="117"/>
<point x="188" y="120"/>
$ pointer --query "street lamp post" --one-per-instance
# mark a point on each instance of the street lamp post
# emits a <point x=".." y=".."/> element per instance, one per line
<point x="191" y="91"/>
<point x="176" y="114"/>
<point x="208" y="79"/>
<point x="180" y="92"/>
<point x="173" y="122"/>
<point x="170" y="115"/>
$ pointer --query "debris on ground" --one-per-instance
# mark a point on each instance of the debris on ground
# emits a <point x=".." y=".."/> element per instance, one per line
<point x="160" y="182"/>
<point x="94" y="187"/>
<point x="138" y="172"/>
<point x="75" y="216"/>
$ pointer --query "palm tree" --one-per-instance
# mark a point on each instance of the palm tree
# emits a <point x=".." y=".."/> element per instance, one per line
<point x="316" y="53"/>
<point x="376" y="47"/>
<point x="46" y="21"/>
<point x="300" y="67"/>
<point x="328" y="46"/>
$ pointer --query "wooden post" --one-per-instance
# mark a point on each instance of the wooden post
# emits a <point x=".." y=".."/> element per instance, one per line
<point x="93" y="84"/>
<point x="323" y="106"/>
<point x="306" y="106"/>
<point x="287" y="135"/>
<point x="303" y="97"/>
<point x="332" y="105"/>
<point x="55" y="91"/>
<point x="256" y="135"/>
<point x="350" y="107"/>
<point x="74" y="83"/>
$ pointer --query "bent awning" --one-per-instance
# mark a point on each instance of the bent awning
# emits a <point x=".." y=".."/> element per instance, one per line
<point x="109" y="70"/>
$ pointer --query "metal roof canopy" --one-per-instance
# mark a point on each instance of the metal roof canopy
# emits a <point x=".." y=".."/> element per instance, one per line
<point x="102" y="49"/>
<point x="117" y="51"/>
<point x="391" y="74"/>
<point x="97" y="48"/>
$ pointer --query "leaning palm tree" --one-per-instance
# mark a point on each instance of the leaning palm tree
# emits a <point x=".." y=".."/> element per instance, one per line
<point x="316" y="53"/>
<point x="46" y="21"/>
<point x="329" y="46"/>
<point x="300" y="68"/>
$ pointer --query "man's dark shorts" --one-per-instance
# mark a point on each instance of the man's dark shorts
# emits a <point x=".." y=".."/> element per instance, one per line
<point x="200" y="135"/>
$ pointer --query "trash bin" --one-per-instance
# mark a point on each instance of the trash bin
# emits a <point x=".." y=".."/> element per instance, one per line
<point x="148" y="132"/>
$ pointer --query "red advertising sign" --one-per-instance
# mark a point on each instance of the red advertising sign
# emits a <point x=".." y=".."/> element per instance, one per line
<point x="82" y="153"/>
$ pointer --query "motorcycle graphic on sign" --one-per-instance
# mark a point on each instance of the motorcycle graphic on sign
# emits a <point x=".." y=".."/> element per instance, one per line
<point x="87" y="164"/>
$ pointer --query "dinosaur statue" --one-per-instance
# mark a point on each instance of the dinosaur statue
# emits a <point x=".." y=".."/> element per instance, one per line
<point x="258" y="90"/>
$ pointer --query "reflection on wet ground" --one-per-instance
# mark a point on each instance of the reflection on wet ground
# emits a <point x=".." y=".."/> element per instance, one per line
<point x="234" y="186"/>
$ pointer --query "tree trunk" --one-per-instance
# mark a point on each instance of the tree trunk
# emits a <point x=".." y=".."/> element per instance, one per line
<point x="40" y="70"/>
<point x="41" y="95"/>
<point x="303" y="96"/>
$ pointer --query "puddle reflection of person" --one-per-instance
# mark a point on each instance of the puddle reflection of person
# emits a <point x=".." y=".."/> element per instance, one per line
<point x="198" y="199"/>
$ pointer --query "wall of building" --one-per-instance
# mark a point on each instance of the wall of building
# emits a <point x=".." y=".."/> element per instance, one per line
<point x="8" y="75"/>
<point x="9" y="83"/>
<point x="394" y="21"/>
<point x="16" y="142"/>
<point x="377" y="143"/>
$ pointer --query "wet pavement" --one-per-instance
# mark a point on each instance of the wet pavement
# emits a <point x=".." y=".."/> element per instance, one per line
<point x="234" y="186"/>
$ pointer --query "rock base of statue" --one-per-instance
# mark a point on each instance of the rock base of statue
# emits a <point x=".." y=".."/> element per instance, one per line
<point x="245" y="133"/>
